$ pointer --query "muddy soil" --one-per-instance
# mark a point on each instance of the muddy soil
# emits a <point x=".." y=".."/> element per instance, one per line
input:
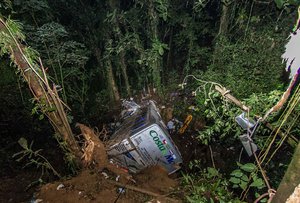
<point x="91" y="186"/>
<point x="17" y="188"/>
<point x="106" y="182"/>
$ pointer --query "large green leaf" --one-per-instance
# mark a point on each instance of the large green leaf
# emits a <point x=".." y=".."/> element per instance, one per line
<point x="243" y="185"/>
<point x="245" y="178"/>
<point x="23" y="142"/>
<point x="237" y="173"/>
<point x="212" y="172"/>
<point x="235" y="180"/>
<point x="161" y="51"/>
<point x="249" y="167"/>
<point x="279" y="3"/>
<point x="258" y="183"/>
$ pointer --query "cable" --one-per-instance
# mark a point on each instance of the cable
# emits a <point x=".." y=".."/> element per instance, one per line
<point x="121" y="191"/>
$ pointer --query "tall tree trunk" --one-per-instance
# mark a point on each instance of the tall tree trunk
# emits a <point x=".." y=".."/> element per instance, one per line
<point x="223" y="29"/>
<point x="122" y="53"/>
<point x="170" y="52"/>
<point x="114" y="5"/>
<point x="111" y="83"/>
<point x="45" y="96"/>
<point x="290" y="180"/>
<point x="124" y="72"/>
<point x="157" y="61"/>
<point x="224" y="21"/>
<point x="187" y="64"/>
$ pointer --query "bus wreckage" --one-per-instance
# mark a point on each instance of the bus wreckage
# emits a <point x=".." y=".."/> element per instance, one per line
<point x="143" y="140"/>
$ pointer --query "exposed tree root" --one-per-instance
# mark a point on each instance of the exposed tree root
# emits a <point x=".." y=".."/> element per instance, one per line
<point x="94" y="153"/>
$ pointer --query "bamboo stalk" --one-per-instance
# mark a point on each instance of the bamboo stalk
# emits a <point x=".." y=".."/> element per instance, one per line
<point x="293" y="141"/>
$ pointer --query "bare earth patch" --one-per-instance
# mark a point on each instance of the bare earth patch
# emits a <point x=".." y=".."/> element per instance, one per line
<point x="90" y="186"/>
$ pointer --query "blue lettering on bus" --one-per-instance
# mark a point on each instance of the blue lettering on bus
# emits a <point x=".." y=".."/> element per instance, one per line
<point x="169" y="158"/>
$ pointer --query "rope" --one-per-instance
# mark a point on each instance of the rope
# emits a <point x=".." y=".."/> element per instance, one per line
<point x="294" y="101"/>
<point x="271" y="192"/>
<point x="290" y="107"/>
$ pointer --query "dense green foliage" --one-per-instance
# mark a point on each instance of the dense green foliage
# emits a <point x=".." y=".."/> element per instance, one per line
<point x="143" y="42"/>
<point x="220" y="115"/>
<point x="207" y="186"/>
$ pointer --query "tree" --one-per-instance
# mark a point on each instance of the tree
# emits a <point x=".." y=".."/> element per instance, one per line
<point x="290" y="180"/>
<point x="48" y="101"/>
<point x="120" y="47"/>
<point x="91" y="30"/>
<point x="34" y="74"/>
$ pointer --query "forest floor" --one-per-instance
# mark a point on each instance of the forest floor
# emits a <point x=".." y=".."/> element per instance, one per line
<point x="90" y="186"/>
<point x="14" y="187"/>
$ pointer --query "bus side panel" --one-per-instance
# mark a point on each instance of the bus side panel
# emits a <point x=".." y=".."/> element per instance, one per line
<point x="155" y="147"/>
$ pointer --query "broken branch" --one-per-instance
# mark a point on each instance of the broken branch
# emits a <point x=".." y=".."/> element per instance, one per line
<point x="147" y="192"/>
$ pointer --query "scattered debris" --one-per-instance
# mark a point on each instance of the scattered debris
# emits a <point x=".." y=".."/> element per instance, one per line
<point x="147" y="192"/>
<point x="130" y="108"/>
<point x="173" y="125"/>
<point x="90" y="186"/>
<point x="244" y="122"/>
<point x="36" y="201"/>
<point x="186" y="123"/>
<point x="60" y="186"/>
<point x="117" y="178"/>
<point x="246" y="138"/>
<point x="121" y="190"/>
<point x="105" y="175"/>
<point x="248" y="144"/>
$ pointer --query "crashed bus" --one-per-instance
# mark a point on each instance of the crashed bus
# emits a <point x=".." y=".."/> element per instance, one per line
<point x="142" y="141"/>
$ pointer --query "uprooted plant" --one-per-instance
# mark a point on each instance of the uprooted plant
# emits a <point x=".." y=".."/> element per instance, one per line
<point x="34" y="157"/>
